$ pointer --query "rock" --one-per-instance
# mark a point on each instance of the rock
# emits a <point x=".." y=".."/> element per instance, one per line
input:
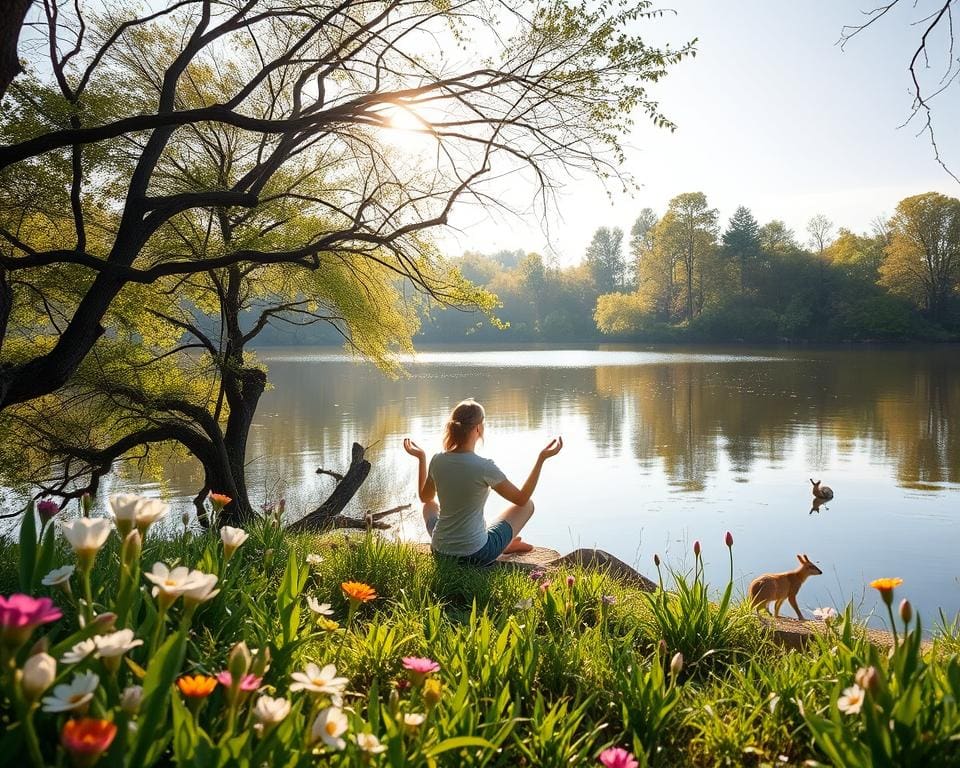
<point x="793" y="633"/>
<point x="597" y="559"/>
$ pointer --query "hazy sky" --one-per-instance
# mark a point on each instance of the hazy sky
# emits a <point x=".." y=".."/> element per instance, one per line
<point x="771" y="114"/>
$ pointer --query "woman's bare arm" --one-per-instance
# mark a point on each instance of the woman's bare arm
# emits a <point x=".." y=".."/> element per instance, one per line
<point x="426" y="488"/>
<point x="521" y="496"/>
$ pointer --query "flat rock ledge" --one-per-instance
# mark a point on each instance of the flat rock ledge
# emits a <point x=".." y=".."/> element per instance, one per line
<point x="793" y="633"/>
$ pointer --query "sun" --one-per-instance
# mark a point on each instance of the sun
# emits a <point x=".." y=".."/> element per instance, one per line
<point x="408" y="129"/>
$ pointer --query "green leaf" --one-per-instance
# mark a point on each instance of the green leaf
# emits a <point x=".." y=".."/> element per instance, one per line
<point x="44" y="562"/>
<point x="28" y="548"/>
<point x="157" y="688"/>
<point x="458" y="742"/>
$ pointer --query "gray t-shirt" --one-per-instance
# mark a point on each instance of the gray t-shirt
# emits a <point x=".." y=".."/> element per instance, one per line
<point x="463" y="483"/>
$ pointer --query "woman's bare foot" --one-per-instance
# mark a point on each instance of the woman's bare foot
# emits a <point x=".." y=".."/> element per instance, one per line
<point x="517" y="546"/>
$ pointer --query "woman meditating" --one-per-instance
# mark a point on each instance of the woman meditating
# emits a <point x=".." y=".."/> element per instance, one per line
<point x="462" y="481"/>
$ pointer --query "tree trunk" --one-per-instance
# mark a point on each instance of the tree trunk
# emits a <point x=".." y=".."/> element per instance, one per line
<point x="248" y="386"/>
<point x="11" y="22"/>
<point x="323" y="516"/>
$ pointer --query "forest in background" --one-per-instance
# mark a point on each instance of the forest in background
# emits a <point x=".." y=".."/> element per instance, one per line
<point x="685" y="276"/>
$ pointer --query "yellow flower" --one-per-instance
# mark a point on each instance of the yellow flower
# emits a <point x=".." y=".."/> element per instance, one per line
<point x="432" y="688"/>
<point x="358" y="592"/>
<point x="327" y="625"/>
<point x="886" y="587"/>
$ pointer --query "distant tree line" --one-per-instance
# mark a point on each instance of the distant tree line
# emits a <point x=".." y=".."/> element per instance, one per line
<point x="682" y="276"/>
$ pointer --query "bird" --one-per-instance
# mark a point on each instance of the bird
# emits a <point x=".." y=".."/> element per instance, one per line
<point x="824" y="492"/>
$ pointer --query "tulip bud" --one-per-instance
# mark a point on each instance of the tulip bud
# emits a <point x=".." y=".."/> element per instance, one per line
<point x="106" y="622"/>
<point x="662" y="648"/>
<point x="656" y="559"/>
<point x="47" y="509"/>
<point x="867" y="678"/>
<point x="676" y="664"/>
<point x="394" y="701"/>
<point x="268" y="559"/>
<point x="39" y="672"/>
<point x="696" y="548"/>
<point x="571" y="581"/>
<point x="906" y="611"/>
<point x="185" y="519"/>
<point x="261" y="662"/>
<point x="131" y="548"/>
<point x="728" y="539"/>
<point x="239" y="660"/>
<point x="130" y="699"/>
<point x="86" y="504"/>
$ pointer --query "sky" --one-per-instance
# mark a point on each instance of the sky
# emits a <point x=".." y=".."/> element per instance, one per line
<point x="771" y="114"/>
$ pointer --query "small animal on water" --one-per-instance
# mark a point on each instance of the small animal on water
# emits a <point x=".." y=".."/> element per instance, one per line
<point x="777" y="587"/>
<point x="817" y="503"/>
<point x="824" y="492"/>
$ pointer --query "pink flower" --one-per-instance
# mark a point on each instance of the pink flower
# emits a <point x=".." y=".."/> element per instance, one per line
<point x="618" y="757"/>
<point x="696" y="548"/>
<point x="420" y="665"/>
<point x="545" y="585"/>
<point x="571" y="581"/>
<point x="247" y="682"/>
<point x="537" y="575"/>
<point x="47" y="509"/>
<point x="20" y="614"/>
<point x="728" y="539"/>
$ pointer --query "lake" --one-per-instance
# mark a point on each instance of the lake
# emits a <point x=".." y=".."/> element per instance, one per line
<point x="662" y="447"/>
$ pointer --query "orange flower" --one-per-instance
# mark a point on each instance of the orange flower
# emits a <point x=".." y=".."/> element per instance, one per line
<point x="87" y="738"/>
<point x="196" y="686"/>
<point x="219" y="500"/>
<point x="357" y="591"/>
<point x="886" y="587"/>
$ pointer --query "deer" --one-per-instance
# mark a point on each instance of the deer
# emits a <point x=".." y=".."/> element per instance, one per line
<point x="777" y="587"/>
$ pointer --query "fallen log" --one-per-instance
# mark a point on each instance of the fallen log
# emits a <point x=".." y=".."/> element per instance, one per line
<point x="328" y="514"/>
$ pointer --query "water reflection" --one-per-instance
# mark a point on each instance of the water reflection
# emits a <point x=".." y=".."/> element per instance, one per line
<point x="661" y="447"/>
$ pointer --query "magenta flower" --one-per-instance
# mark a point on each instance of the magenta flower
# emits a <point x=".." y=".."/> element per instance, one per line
<point x="571" y="581"/>
<point x="728" y="539"/>
<point x="47" y="509"/>
<point x="420" y="666"/>
<point x="247" y="682"/>
<point x="537" y="575"/>
<point x="609" y="599"/>
<point x="545" y="585"/>
<point x="696" y="548"/>
<point x="21" y="614"/>
<point x="618" y="757"/>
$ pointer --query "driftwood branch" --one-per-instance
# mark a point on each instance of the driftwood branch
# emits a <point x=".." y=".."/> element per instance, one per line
<point x="335" y="475"/>
<point x="328" y="514"/>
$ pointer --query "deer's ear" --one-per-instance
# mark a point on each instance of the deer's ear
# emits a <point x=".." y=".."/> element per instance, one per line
<point x="800" y="558"/>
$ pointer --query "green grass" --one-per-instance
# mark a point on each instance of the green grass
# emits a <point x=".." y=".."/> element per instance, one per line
<point x="546" y="677"/>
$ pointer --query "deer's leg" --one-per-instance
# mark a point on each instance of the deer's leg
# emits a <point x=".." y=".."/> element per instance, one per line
<point x="776" y="608"/>
<point x="793" y="603"/>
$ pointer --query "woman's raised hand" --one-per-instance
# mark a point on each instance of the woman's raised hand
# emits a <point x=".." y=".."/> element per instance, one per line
<point x="552" y="449"/>
<point x="413" y="449"/>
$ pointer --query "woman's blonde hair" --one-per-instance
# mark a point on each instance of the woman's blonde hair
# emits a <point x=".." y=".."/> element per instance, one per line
<point x="467" y="415"/>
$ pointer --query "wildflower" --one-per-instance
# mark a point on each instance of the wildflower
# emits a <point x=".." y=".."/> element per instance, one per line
<point x="906" y="611"/>
<point x="369" y="743"/>
<point x="851" y="701"/>
<point x="79" y="652"/>
<point x="171" y="583"/>
<point x="47" y="508"/>
<point x="58" y="576"/>
<point x="39" y="672"/>
<point x="270" y="711"/>
<point x="219" y="500"/>
<point x="130" y="511"/>
<point x="617" y="757"/>
<point x="317" y="680"/>
<point x="321" y="609"/>
<point x="676" y="664"/>
<point x="537" y="575"/>
<point x="196" y="686"/>
<point x="87" y="738"/>
<point x="432" y="689"/>
<point x="696" y="548"/>
<point x="545" y="585"/>
<point x="571" y="581"/>
<point x="357" y="592"/>
<point x="232" y="538"/>
<point x="248" y="683"/>
<point x="825" y="614"/>
<point x="327" y="625"/>
<point x="413" y="720"/>
<point x="728" y="539"/>
<point x="886" y="587"/>
<point x="608" y="599"/>
<point x="73" y="695"/>
<point x="329" y="726"/>
<point x="524" y="605"/>
<point x="86" y="535"/>
<point x="204" y="589"/>
<point x="130" y="549"/>
<point x="867" y="678"/>
<point x="419" y="668"/>
<point x="21" y="614"/>
<point x="111" y="647"/>
<point x="239" y="660"/>
<point x="131" y="698"/>
<point x="314" y="559"/>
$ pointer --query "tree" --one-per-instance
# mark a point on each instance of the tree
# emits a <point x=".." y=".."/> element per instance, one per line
<point x="741" y="242"/>
<point x="923" y="258"/>
<point x="776" y="237"/>
<point x="820" y="229"/>
<point x="83" y="204"/>
<point x="605" y="258"/>
<point x="691" y="233"/>
<point x="641" y="242"/>
<point x="11" y="22"/>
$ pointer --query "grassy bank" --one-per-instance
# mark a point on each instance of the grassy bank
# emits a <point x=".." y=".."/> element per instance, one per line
<point x="550" y="670"/>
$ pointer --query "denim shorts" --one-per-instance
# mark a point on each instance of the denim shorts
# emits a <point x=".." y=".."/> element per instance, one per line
<point x="498" y="536"/>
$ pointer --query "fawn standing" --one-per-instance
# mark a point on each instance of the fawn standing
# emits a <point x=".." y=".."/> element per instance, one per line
<point x="777" y="587"/>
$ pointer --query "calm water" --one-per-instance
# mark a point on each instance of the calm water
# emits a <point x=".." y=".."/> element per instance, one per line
<point x="661" y="448"/>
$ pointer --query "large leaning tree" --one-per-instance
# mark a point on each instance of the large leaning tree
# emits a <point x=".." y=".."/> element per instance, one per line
<point x="232" y="159"/>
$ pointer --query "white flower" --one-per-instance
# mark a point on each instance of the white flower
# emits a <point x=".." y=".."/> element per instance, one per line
<point x="58" y="576"/>
<point x="86" y="534"/>
<point x="116" y="643"/>
<point x="130" y="699"/>
<point x="851" y="701"/>
<point x="413" y="720"/>
<point x="317" y="680"/>
<point x="270" y="711"/>
<point x="316" y="606"/>
<point x="204" y="589"/>
<point x="314" y="559"/>
<point x="369" y="743"/>
<point x="232" y="538"/>
<point x="130" y="511"/>
<point x="39" y="672"/>
<point x="68" y="697"/>
<point x="172" y="583"/>
<point x="330" y="725"/>
<point x="825" y="614"/>
<point x="79" y="652"/>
